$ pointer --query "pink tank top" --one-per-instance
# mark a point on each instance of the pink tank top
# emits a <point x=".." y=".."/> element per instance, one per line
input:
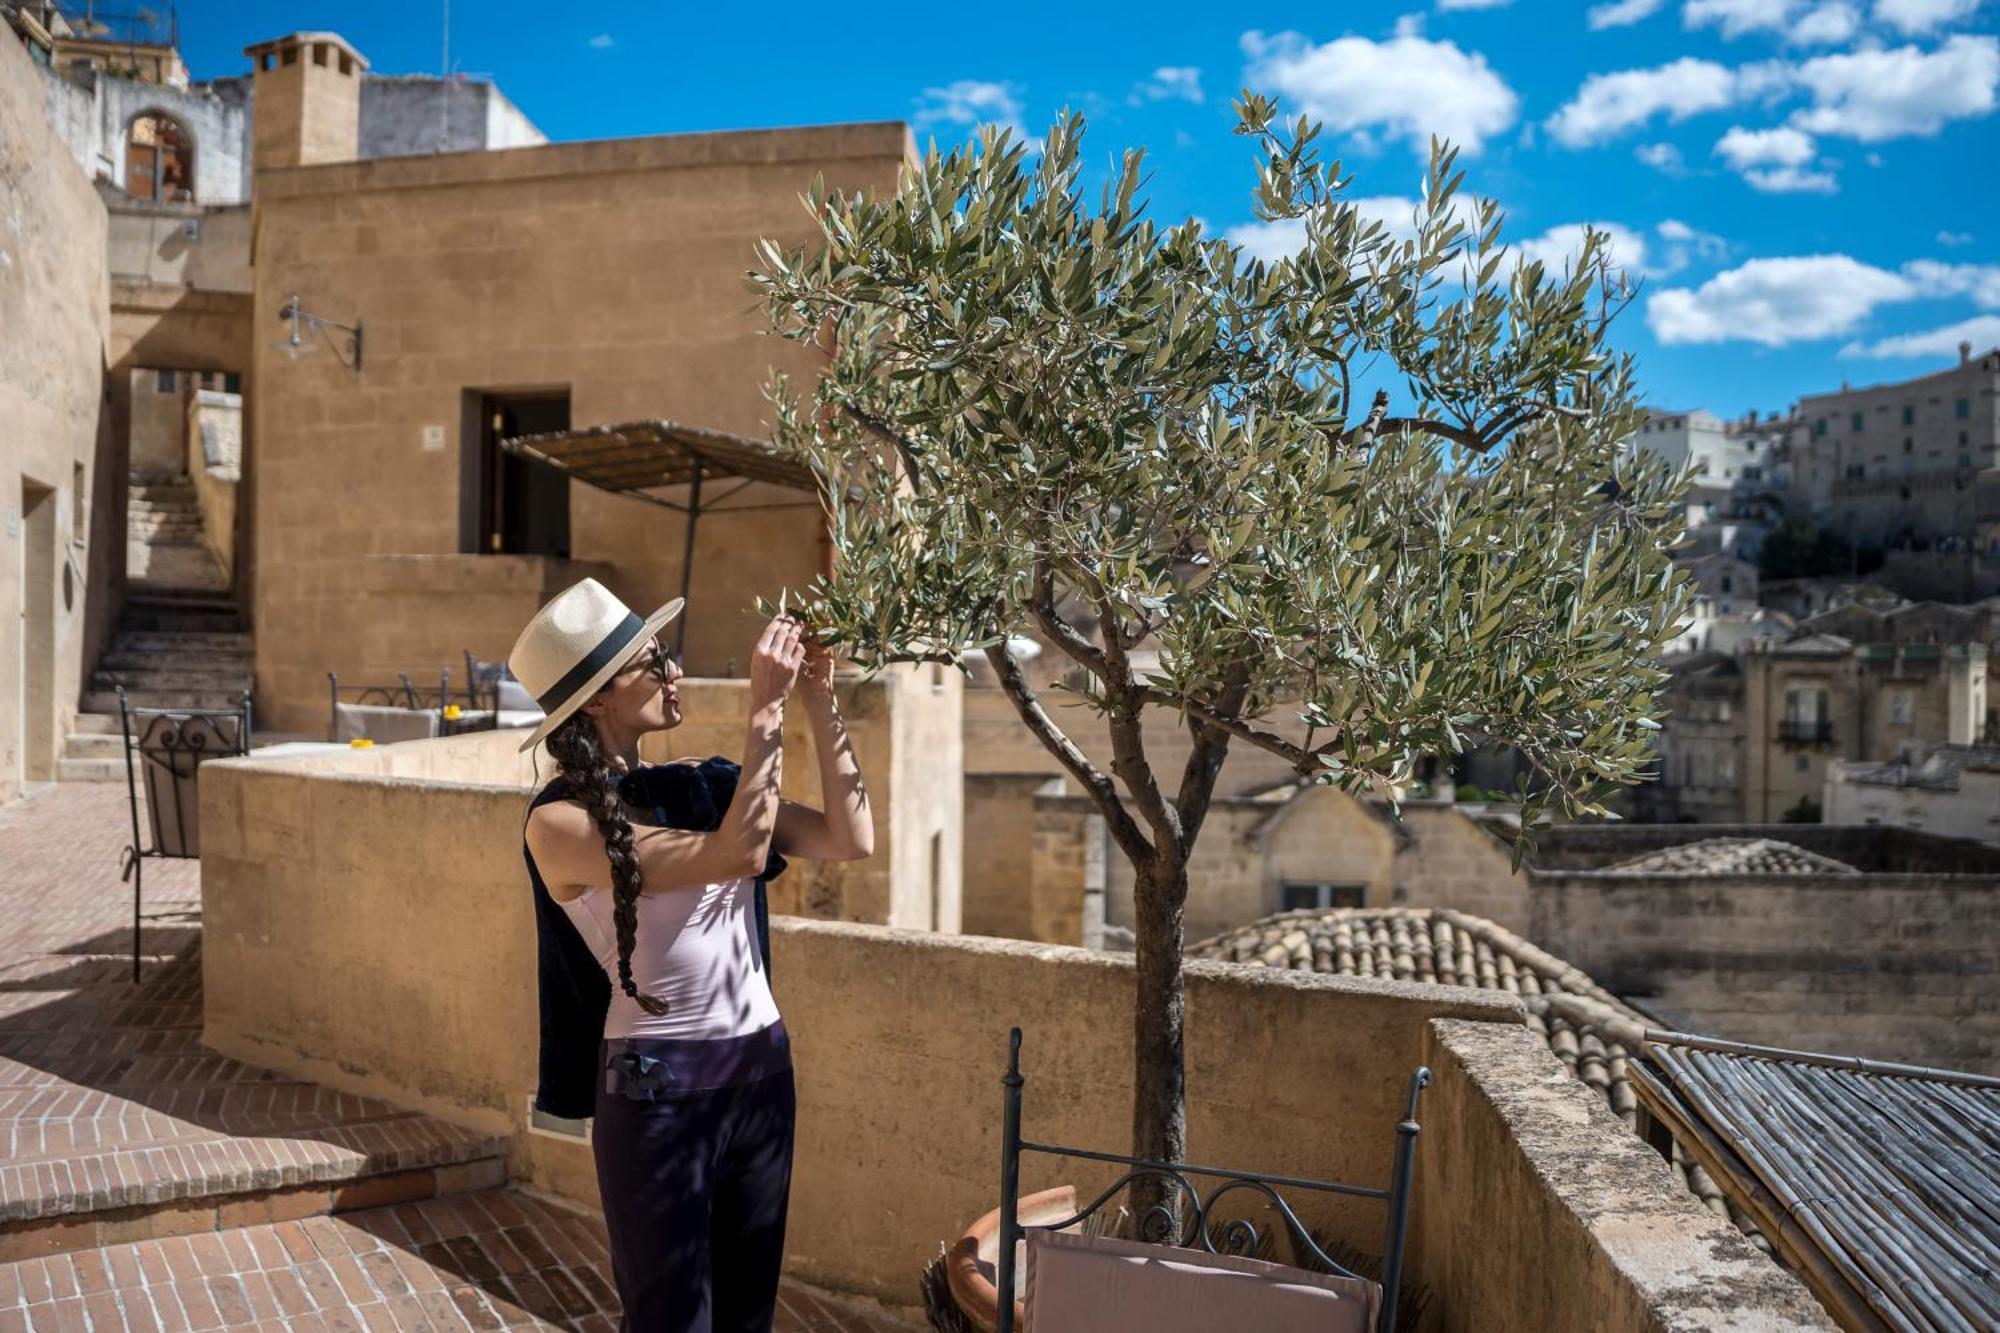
<point x="696" y="949"/>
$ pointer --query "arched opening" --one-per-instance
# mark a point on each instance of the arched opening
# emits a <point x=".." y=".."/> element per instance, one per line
<point x="159" y="160"/>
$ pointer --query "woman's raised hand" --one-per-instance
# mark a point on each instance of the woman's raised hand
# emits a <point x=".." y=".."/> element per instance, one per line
<point x="774" y="663"/>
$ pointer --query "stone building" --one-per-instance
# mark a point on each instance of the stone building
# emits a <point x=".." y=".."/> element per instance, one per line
<point x="1913" y="463"/>
<point x="1953" y="791"/>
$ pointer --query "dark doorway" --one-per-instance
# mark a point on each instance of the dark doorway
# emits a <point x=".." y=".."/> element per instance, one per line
<point x="513" y="505"/>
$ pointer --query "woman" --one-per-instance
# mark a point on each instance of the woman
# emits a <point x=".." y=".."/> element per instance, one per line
<point x="652" y="877"/>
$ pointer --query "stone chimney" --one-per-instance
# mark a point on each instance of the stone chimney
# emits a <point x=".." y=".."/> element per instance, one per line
<point x="307" y="100"/>
<point x="1964" y="353"/>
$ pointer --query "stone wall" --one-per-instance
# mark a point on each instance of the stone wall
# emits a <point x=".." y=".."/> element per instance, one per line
<point x="1867" y="848"/>
<point x="347" y="941"/>
<point x="94" y="111"/>
<point x="171" y="246"/>
<point x="1449" y="858"/>
<point x="611" y="271"/>
<point x="405" y="115"/>
<point x="1894" y="967"/>
<point x="53" y="317"/>
<point x="1035" y="860"/>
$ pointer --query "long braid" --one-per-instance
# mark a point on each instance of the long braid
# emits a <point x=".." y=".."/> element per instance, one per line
<point x="580" y="757"/>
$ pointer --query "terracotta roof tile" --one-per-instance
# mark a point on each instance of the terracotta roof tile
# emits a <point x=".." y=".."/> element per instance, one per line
<point x="1732" y="856"/>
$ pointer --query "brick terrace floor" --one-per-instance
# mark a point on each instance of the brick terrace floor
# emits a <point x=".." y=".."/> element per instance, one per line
<point x="108" y="1100"/>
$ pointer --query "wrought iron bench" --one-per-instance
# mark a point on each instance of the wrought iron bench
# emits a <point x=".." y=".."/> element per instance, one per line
<point x="1196" y="1228"/>
<point x="172" y="744"/>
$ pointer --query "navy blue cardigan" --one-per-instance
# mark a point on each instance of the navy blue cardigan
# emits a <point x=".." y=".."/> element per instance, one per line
<point x="575" y="993"/>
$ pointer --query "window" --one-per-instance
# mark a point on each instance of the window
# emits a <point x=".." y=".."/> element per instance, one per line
<point x="1909" y="415"/>
<point x="1902" y="708"/>
<point x="1819" y="426"/>
<point x="159" y="160"/>
<point x="1962" y="408"/>
<point x="1725" y="770"/>
<point x="1854" y="421"/>
<point x="1722" y="710"/>
<point x="1909" y="445"/>
<point x="79" y="503"/>
<point x="1802" y="764"/>
<point x="164" y="382"/>
<point x="1322" y="897"/>
<point x="232" y="382"/>
<point x="1728" y="584"/>
<point x="1753" y="474"/>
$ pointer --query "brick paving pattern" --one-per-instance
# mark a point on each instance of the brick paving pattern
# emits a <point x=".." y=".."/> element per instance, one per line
<point x="114" y="1116"/>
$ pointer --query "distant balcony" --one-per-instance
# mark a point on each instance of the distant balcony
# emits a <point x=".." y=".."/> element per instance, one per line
<point x="1795" y="732"/>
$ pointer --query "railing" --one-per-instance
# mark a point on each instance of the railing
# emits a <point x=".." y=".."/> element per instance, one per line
<point x="1799" y="732"/>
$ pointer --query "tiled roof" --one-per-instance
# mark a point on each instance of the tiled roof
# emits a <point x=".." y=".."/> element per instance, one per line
<point x="1454" y="949"/>
<point x="1732" y="856"/>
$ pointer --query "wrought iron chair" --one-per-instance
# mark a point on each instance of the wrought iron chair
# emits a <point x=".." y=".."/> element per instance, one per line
<point x="401" y="696"/>
<point x="1197" y="1229"/>
<point x="172" y="744"/>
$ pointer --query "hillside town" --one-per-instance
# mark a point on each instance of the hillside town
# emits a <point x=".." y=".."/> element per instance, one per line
<point x="321" y="381"/>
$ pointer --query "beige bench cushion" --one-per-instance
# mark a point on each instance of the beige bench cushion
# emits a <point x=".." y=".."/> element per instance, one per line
<point x="1080" y="1284"/>
<point x="377" y="722"/>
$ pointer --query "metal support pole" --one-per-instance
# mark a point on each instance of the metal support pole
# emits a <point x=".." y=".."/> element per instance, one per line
<point x="1399" y="1203"/>
<point x="687" y="565"/>
<point x="134" y="858"/>
<point x="1010" y="1187"/>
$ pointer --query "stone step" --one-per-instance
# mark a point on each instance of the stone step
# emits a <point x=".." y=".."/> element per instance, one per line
<point x="232" y="642"/>
<point x="143" y="687"/>
<point x="89" y="770"/>
<point x="94" y="745"/>
<point x="240" y="661"/>
<point x="96" y="724"/>
<point x="226" y="700"/>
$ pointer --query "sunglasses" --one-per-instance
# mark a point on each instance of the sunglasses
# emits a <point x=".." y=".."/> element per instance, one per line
<point x="652" y="658"/>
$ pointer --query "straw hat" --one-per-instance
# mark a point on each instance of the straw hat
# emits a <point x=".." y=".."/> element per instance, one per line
<point x="581" y="639"/>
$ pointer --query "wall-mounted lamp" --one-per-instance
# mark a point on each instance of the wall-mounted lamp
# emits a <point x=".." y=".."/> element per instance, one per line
<point x="344" y="339"/>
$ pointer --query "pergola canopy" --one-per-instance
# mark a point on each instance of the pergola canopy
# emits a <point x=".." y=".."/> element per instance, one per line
<point x="634" y="457"/>
<point x="637" y="458"/>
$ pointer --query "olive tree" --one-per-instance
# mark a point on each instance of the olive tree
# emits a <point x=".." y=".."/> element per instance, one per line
<point x="1039" y="414"/>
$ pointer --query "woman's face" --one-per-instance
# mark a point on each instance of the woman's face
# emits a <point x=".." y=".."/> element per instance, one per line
<point x="642" y="697"/>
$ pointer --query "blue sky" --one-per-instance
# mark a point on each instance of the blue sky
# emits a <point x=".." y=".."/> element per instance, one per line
<point x="1806" y="187"/>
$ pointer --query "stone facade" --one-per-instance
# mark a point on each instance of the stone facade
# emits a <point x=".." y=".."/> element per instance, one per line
<point x="57" y="548"/>
<point x="1953" y="792"/>
<point x="608" y="273"/>
<point x="1913" y="461"/>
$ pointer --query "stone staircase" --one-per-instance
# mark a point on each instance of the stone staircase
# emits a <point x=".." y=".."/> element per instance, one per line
<point x="165" y="547"/>
<point x="180" y="642"/>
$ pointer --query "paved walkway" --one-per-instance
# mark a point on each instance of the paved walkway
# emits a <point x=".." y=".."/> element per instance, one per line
<point x="114" y="1118"/>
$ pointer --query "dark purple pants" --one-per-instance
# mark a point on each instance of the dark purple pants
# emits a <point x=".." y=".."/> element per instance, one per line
<point x="693" y="1141"/>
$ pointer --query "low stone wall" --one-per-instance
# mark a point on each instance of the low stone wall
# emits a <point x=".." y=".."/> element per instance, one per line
<point x="1895" y="967"/>
<point x="372" y="929"/>
<point x="1513" y="1160"/>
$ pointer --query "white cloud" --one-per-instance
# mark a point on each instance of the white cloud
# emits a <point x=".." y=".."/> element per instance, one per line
<point x="1981" y="282"/>
<point x="973" y="102"/>
<point x="1955" y="238"/>
<point x="1272" y="241"/>
<point x="1776" y="161"/>
<point x="602" y="42"/>
<point x="1607" y="104"/>
<point x="1558" y="247"/>
<point x="1982" y="331"/>
<point x="1876" y="94"/>
<point x="1407" y="87"/>
<point x="1805" y="22"/>
<point x="1171" y="83"/>
<point x="1826" y="25"/>
<point x="1920" y="16"/>
<point x="1685" y="244"/>
<point x="1663" y="157"/>
<point x="1736" y="17"/>
<point x="1775" y="301"/>
<point x="1622" y="13"/>
<point x="1474" y="4"/>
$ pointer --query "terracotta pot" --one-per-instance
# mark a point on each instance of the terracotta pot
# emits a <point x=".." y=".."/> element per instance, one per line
<point x="972" y="1262"/>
